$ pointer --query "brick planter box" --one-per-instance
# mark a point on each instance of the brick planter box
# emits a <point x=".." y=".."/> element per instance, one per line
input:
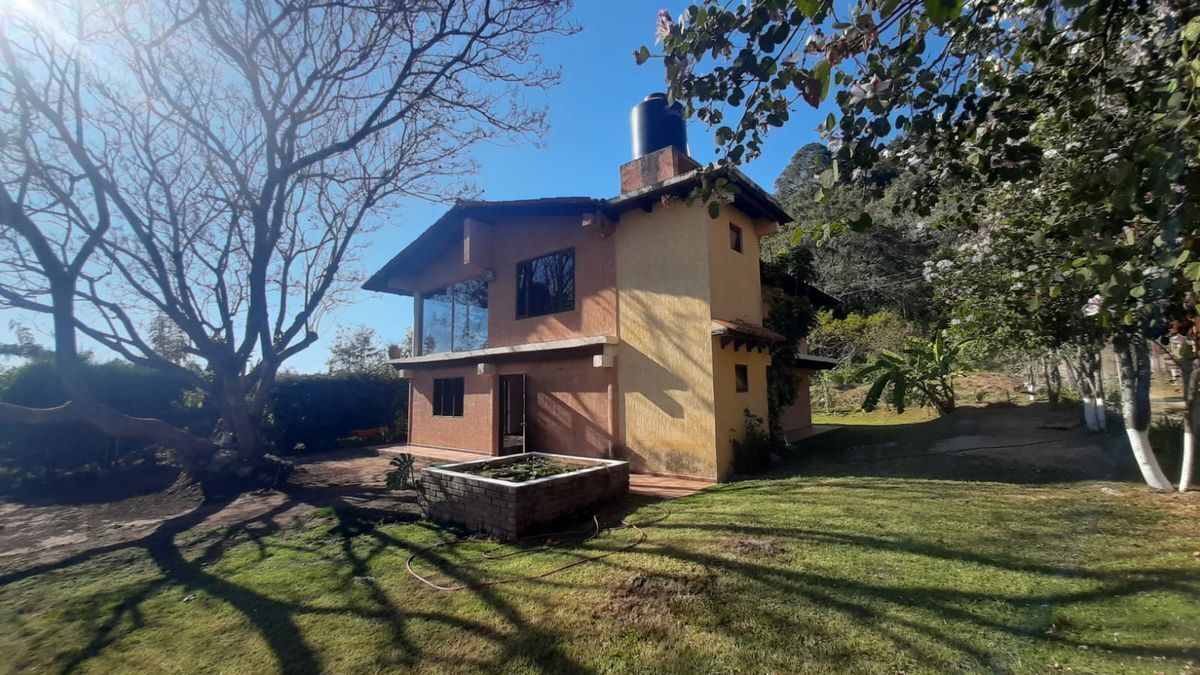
<point x="509" y="510"/>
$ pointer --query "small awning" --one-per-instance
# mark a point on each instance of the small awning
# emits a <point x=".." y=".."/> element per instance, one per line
<point x="744" y="333"/>
<point x="495" y="353"/>
<point x="810" y="362"/>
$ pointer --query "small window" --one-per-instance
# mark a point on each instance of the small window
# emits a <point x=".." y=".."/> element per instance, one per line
<point x="735" y="237"/>
<point x="546" y="285"/>
<point x="741" y="378"/>
<point x="448" y="397"/>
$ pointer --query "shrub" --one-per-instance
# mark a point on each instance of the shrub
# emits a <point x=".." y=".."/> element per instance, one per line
<point x="754" y="452"/>
<point x="56" y="449"/>
<point x="312" y="412"/>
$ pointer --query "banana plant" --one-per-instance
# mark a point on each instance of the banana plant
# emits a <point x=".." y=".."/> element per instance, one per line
<point x="928" y="368"/>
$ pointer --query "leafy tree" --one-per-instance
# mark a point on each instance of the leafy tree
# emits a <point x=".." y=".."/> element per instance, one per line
<point x="218" y="166"/>
<point x="870" y="269"/>
<point x="927" y="367"/>
<point x="791" y="315"/>
<point x="986" y="94"/>
<point x="26" y="347"/>
<point x="356" y="349"/>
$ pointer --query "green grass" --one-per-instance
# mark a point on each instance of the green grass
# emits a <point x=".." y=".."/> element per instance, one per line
<point x="877" y="574"/>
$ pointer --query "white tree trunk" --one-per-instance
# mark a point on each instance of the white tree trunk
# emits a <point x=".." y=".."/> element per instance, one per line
<point x="1089" y="413"/>
<point x="1189" y="453"/>
<point x="1147" y="462"/>
<point x="1133" y="360"/>
<point x="1101" y="419"/>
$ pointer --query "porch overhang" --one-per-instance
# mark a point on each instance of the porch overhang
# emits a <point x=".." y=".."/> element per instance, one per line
<point x="492" y="354"/>
<point x="744" y="334"/>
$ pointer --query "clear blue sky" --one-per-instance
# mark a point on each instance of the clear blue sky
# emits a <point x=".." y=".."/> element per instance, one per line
<point x="587" y="142"/>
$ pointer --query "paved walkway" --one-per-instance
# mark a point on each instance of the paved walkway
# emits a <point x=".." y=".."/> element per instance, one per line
<point x="662" y="487"/>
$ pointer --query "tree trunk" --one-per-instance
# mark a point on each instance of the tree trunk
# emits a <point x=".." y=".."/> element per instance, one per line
<point x="1133" y="361"/>
<point x="1188" y="366"/>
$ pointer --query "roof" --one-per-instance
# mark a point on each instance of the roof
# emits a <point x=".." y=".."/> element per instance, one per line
<point x="495" y="353"/>
<point x="744" y="330"/>
<point x="747" y="195"/>
<point x="815" y="295"/>
<point x="446" y="230"/>
<point x="811" y="362"/>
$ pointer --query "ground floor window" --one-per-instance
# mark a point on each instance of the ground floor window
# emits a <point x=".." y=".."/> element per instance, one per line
<point x="741" y="378"/>
<point x="448" y="397"/>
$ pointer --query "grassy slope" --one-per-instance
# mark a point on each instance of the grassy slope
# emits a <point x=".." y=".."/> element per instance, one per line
<point x="877" y="574"/>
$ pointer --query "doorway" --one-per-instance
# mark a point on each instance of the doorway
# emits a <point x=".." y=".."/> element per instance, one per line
<point x="512" y="414"/>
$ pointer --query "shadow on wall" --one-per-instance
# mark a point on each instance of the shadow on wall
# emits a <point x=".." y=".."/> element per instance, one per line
<point x="568" y="410"/>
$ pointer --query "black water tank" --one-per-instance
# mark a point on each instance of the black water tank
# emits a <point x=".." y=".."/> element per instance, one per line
<point x="657" y="124"/>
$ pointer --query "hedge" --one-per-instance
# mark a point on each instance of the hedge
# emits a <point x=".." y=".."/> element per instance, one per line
<point x="306" y="412"/>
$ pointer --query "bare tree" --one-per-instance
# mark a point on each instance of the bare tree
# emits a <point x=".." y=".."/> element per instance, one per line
<point x="214" y="162"/>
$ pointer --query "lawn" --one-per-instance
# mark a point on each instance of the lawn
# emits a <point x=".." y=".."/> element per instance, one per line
<point x="846" y="570"/>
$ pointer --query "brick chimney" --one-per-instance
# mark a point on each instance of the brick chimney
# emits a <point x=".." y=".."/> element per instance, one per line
<point x="655" y="167"/>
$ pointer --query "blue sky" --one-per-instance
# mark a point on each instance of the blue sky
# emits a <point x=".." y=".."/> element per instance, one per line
<point x="587" y="142"/>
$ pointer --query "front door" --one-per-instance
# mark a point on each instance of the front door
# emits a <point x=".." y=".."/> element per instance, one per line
<point x="512" y="414"/>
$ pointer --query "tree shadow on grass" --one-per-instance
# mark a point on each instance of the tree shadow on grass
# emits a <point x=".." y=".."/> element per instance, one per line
<point x="275" y="620"/>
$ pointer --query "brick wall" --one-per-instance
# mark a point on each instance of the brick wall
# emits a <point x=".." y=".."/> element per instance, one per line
<point x="511" y="510"/>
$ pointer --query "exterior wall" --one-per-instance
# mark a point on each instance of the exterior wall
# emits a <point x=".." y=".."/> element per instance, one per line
<point x="731" y="404"/>
<point x="474" y="431"/>
<point x="595" y="280"/>
<point x="567" y="408"/>
<point x="664" y="359"/>
<point x="511" y="241"/>
<point x="734" y="284"/>
<point x="798" y="416"/>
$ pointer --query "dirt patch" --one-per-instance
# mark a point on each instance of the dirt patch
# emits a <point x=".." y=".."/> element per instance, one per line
<point x="757" y="547"/>
<point x="346" y="480"/>
<point x="650" y="601"/>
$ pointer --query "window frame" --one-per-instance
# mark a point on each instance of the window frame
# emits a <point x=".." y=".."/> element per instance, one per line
<point x="737" y="238"/>
<point x="741" y="378"/>
<point x="517" y="285"/>
<point x="456" y="394"/>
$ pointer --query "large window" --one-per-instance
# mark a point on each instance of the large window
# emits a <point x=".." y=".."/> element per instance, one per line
<point x="455" y="318"/>
<point x="448" y="397"/>
<point x="546" y="285"/>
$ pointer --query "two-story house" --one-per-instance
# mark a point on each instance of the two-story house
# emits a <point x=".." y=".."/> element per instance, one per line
<point x="629" y="327"/>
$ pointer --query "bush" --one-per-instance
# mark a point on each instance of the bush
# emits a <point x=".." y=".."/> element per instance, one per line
<point x="754" y="452"/>
<point x="309" y="412"/>
<point x="315" y="411"/>
<point x="56" y="449"/>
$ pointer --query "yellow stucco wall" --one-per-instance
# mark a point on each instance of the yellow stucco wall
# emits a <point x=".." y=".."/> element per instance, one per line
<point x="735" y="287"/>
<point x="729" y="404"/>
<point x="664" y="359"/>
<point x="736" y="292"/>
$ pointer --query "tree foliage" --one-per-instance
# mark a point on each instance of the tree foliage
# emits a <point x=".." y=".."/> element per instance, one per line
<point x="215" y="163"/>
<point x="924" y="367"/>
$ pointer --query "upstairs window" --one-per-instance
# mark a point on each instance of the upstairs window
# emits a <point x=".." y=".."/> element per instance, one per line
<point x="735" y="237"/>
<point x="741" y="378"/>
<point x="455" y="318"/>
<point x="546" y="285"/>
<point x="448" y="397"/>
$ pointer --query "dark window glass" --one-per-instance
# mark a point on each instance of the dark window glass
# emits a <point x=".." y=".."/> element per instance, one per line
<point x="448" y="397"/>
<point x="735" y="237"/>
<point x="455" y="319"/>
<point x="741" y="378"/>
<point x="546" y="285"/>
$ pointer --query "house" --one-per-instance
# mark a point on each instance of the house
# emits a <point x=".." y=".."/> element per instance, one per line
<point x="627" y="327"/>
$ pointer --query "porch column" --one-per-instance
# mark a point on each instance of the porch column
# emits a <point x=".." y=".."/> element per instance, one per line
<point x="418" y="325"/>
